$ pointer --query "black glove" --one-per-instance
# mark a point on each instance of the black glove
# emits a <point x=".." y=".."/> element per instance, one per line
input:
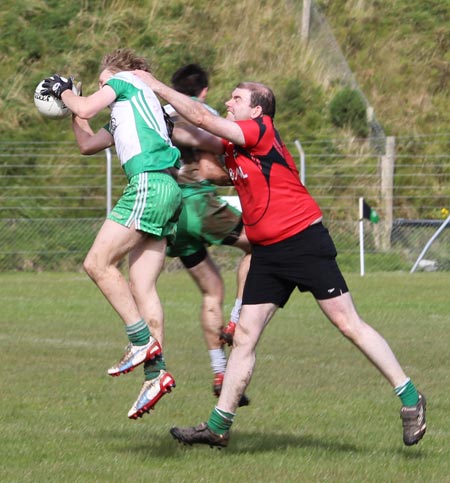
<point x="56" y="85"/>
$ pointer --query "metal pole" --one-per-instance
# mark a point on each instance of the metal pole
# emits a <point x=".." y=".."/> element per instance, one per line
<point x="302" y="161"/>
<point x="430" y="241"/>
<point x="361" y="236"/>
<point x="108" y="180"/>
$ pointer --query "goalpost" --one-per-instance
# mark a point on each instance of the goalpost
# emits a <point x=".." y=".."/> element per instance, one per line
<point x="429" y="243"/>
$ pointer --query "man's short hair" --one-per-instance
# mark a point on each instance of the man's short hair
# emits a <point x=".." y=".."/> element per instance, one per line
<point x="190" y="79"/>
<point x="260" y="95"/>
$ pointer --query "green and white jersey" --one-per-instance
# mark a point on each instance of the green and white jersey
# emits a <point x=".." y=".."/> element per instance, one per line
<point x="138" y="127"/>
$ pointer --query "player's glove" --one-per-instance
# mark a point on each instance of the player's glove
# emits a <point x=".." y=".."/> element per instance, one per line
<point x="56" y="85"/>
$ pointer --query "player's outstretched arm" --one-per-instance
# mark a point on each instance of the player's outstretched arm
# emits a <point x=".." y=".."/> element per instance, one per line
<point x="84" y="107"/>
<point x="88" y="107"/>
<point x="186" y="134"/>
<point x="193" y="110"/>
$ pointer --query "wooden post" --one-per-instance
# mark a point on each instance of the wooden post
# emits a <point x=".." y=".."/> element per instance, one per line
<point x="306" y="20"/>
<point x="387" y="192"/>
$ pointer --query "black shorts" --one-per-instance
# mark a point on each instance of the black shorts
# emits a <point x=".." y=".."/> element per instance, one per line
<point x="306" y="261"/>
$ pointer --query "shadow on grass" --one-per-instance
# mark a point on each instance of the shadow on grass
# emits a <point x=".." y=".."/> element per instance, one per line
<point x="260" y="442"/>
<point x="257" y="442"/>
<point x="247" y="443"/>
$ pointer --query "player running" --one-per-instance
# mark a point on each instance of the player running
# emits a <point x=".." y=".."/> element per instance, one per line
<point x="291" y="249"/>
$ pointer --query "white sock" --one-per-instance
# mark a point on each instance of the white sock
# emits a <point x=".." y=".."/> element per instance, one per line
<point x="236" y="312"/>
<point x="218" y="360"/>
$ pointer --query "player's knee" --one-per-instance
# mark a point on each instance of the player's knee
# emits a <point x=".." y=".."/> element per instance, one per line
<point x="213" y="302"/>
<point x="88" y="266"/>
<point x="91" y="267"/>
<point x="242" y="338"/>
<point x="349" y="328"/>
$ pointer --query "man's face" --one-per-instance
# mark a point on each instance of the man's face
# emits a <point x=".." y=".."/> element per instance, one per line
<point x="238" y="107"/>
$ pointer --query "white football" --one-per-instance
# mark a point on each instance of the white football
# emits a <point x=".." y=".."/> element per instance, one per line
<point x="49" y="106"/>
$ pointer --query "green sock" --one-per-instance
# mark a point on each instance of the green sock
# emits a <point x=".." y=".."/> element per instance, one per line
<point x="152" y="368"/>
<point x="220" y="421"/>
<point x="138" y="333"/>
<point x="407" y="393"/>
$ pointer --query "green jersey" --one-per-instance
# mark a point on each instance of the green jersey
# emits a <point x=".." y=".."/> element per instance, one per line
<point x="138" y="127"/>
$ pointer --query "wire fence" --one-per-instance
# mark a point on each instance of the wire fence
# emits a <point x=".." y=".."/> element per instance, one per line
<point x="53" y="201"/>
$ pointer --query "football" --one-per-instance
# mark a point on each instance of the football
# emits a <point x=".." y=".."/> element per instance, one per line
<point x="49" y="106"/>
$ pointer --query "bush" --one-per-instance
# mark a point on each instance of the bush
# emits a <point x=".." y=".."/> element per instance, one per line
<point x="347" y="109"/>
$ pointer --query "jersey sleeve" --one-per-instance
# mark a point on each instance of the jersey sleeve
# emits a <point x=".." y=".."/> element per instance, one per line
<point x="252" y="132"/>
<point x="119" y="86"/>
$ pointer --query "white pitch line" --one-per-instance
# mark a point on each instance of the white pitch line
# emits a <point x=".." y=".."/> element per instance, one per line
<point x="55" y="341"/>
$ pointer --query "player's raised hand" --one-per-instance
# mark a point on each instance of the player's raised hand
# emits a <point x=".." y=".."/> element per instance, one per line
<point x="146" y="77"/>
<point x="56" y="85"/>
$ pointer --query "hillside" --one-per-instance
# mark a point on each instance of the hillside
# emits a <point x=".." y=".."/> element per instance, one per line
<point x="399" y="53"/>
<point x="401" y="66"/>
<point x="39" y="38"/>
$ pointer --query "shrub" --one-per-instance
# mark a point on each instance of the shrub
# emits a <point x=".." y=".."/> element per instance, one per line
<point x="347" y="109"/>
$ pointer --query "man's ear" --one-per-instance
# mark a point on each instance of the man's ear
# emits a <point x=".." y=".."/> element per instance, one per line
<point x="257" y="111"/>
<point x="203" y="94"/>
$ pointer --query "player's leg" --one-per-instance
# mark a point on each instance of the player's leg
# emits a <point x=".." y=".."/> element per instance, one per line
<point x="206" y="276"/>
<point x="264" y="292"/>
<point x="112" y="243"/>
<point x="158" y="220"/>
<point x="241" y="363"/>
<point x="221" y="224"/>
<point x="146" y="262"/>
<point x="242" y="243"/>
<point x="342" y="313"/>
<point x="241" y="360"/>
<point x="319" y="273"/>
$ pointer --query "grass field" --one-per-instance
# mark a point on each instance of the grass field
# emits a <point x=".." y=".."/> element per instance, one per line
<point x="319" y="411"/>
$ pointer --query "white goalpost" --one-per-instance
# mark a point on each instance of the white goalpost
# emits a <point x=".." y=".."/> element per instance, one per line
<point x="429" y="243"/>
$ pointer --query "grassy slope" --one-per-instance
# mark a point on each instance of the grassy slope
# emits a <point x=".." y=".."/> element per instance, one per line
<point x="71" y="38"/>
<point x="400" y="54"/>
<point x="401" y="66"/>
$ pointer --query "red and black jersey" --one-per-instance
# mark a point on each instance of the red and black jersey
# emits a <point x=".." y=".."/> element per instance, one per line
<point x="275" y="204"/>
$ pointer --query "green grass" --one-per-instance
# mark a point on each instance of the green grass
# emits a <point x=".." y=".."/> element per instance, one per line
<point x="319" y="411"/>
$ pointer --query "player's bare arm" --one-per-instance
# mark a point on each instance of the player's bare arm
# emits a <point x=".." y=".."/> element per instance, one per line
<point x="84" y="107"/>
<point x="193" y="110"/>
<point x="88" y="141"/>
<point x="186" y="134"/>
<point x="212" y="169"/>
<point x="88" y="107"/>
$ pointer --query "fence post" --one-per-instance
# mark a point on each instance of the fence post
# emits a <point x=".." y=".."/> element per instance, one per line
<point x="306" y="20"/>
<point x="387" y="192"/>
